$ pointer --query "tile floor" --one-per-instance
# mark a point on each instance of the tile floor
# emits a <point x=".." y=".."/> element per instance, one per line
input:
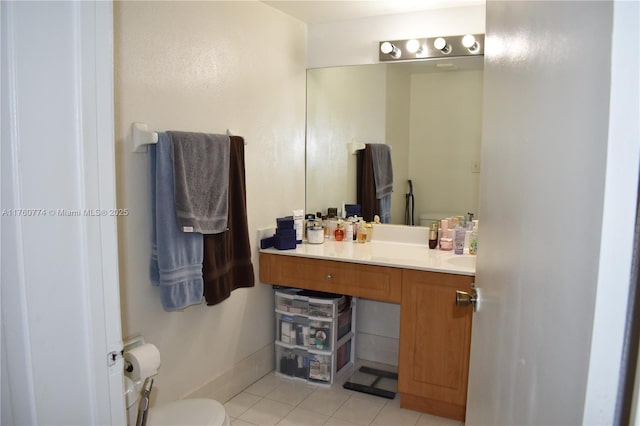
<point x="274" y="400"/>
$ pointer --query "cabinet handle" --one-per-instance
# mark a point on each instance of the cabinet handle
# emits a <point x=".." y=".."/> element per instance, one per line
<point x="328" y="277"/>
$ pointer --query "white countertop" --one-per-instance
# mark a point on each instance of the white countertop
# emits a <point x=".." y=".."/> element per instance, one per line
<point x="385" y="253"/>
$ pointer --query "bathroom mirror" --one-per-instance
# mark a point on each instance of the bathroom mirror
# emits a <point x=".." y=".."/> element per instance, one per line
<point x="429" y="112"/>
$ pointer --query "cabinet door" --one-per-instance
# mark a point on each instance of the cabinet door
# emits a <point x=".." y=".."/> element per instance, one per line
<point x="435" y="338"/>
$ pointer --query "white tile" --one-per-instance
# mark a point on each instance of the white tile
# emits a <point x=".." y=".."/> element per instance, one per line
<point x="325" y="400"/>
<point x="240" y="403"/>
<point x="266" y="412"/>
<point x="339" y="422"/>
<point x="290" y="392"/>
<point x="431" y="420"/>
<point x="359" y="410"/>
<point x="396" y="416"/>
<point x="238" y="422"/>
<point x="265" y="385"/>
<point x="301" y="417"/>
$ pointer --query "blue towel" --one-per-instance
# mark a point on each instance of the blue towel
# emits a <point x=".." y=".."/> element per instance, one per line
<point x="176" y="257"/>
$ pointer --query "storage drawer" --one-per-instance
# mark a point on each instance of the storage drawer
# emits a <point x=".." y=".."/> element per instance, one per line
<point x="303" y="331"/>
<point x="292" y="362"/>
<point x="373" y="282"/>
<point x="293" y="330"/>
<point x="313" y="366"/>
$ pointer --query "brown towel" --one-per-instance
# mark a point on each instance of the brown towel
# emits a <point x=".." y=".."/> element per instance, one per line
<point x="366" y="184"/>
<point x="227" y="256"/>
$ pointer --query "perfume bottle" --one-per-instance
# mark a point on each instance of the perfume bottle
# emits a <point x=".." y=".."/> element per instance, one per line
<point x="339" y="232"/>
<point x="433" y="235"/>
<point x="362" y="232"/>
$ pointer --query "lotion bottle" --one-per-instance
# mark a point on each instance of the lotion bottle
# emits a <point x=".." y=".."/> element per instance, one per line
<point x="446" y="242"/>
<point x="473" y="240"/>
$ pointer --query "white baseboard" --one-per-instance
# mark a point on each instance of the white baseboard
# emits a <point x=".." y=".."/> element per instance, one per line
<point x="241" y="376"/>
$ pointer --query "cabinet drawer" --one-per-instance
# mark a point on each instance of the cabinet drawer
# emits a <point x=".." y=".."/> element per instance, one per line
<point x="371" y="282"/>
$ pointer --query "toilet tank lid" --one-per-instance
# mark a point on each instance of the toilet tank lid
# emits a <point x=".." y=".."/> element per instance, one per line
<point x="189" y="412"/>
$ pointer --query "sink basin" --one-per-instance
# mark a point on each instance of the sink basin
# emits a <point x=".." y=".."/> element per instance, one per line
<point x="461" y="260"/>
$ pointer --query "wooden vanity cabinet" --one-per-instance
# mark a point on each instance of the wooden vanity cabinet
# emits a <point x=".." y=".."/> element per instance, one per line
<point x="435" y="335"/>
<point x="435" y="339"/>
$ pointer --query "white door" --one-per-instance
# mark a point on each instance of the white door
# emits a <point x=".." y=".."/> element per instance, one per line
<point x="60" y="297"/>
<point x="557" y="195"/>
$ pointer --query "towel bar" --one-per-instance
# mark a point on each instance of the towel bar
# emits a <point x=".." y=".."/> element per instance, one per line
<point x="142" y="137"/>
<point x="354" y="146"/>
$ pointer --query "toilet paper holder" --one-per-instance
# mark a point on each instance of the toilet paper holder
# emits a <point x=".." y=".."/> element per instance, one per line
<point x="129" y="344"/>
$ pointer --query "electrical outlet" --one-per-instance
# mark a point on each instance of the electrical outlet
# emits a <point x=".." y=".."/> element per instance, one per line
<point x="475" y="166"/>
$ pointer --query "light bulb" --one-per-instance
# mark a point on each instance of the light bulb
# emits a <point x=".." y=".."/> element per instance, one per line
<point x="413" y="45"/>
<point x="389" y="49"/>
<point x="442" y="45"/>
<point x="386" y="47"/>
<point x="468" y="40"/>
<point x="470" y="43"/>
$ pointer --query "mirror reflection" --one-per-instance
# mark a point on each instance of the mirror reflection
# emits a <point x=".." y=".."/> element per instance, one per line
<point x="429" y="112"/>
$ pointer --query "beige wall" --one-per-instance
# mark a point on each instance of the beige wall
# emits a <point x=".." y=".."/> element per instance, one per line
<point x="207" y="66"/>
<point x="446" y="128"/>
<point x="344" y="103"/>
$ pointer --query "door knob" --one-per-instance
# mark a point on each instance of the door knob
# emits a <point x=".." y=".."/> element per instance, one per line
<point x="464" y="299"/>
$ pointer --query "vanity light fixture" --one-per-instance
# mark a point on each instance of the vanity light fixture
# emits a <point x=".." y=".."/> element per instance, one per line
<point x="390" y="49"/>
<point x="431" y="48"/>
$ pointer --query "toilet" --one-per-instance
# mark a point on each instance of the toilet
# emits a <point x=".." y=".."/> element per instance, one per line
<point x="184" y="412"/>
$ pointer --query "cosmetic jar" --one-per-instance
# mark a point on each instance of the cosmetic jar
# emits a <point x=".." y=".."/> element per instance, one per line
<point x="315" y="235"/>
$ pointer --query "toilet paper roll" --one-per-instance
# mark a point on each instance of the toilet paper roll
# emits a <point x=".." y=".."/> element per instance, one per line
<point x="145" y="361"/>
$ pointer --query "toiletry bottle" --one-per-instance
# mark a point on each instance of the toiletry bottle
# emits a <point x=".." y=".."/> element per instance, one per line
<point x="325" y="225"/>
<point x="309" y="222"/>
<point x="473" y="240"/>
<point x="446" y="241"/>
<point x="433" y="235"/>
<point x="348" y="230"/>
<point x="362" y="231"/>
<point x="339" y="232"/>
<point x="354" y="225"/>
<point x="458" y="240"/>
<point x="444" y="232"/>
<point x="298" y="224"/>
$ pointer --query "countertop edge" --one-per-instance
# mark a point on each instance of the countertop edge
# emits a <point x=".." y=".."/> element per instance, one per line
<point x="402" y="264"/>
